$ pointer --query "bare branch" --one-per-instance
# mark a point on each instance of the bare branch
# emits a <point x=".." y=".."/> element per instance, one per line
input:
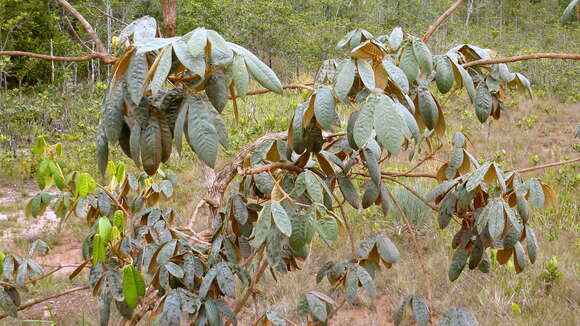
<point x="418" y="251"/>
<point x="441" y="20"/>
<point x="273" y="166"/>
<point x="563" y="56"/>
<point x="290" y="86"/>
<point x="104" y="57"/>
<point x="90" y="30"/>
<point x="40" y="300"/>
<point x="549" y="165"/>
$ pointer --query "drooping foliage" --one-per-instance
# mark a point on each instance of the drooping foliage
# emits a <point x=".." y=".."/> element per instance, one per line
<point x="289" y="187"/>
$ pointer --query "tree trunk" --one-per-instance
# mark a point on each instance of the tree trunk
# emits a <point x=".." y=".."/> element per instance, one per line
<point x="169" y="8"/>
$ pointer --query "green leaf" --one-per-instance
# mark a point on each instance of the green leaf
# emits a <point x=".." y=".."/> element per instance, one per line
<point x="531" y="244"/>
<point x="408" y="63"/>
<point x="195" y="64"/>
<point x="423" y="55"/>
<point x="216" y="90"/>
<point x="467" y="82"/>
<point x="420" y="310"/>
<point x="317" y="307"/>
<point x="409" y="119"/>
<point x="264" y="183"/>
<point x="387" y="249"/>
<point x="400" y="315"/>
<point x="349" y="191"/>
<point x="220" y="50"/>
<point x="260" y="71"/>
<point x="197" y="41"/>
<point x="7" y="304"/>
<point x="133" y="285"/>
<point x="241" y="76"/>
<point x="441" y="189"/>
<point x="363" y="126"/>
<point x="350" y="129"/>
<point x="496" y="223"/>
<point x="428" y="108"/>
<point x="135" y="77"/>
<point x="366" y="73"/>
<point x="327" y="228"/>
<point x="174" y="269"/>
<point x="447" y="209"/>
<point x="388" y="124"/>
<point x="275" y="318"/>
<point x="324" y="107"/>
<point x="444" y="76"/>
<point x="239" y="209"/>
<point x="225" y="280"/>
<point x="297" y="140"/>
<point x="104" y="229"/>
<point x="260" y="231"/>
<point x="344" y="78"/>
<point x="313" y="187"/>
<point x="536" y="197"/>
<point x="396" y="38"/>
<point x="366" y="280"/>
<point x="202" y="135"/>
<point x="113" y="112"/>
<point x="457" y="263"/>
<point x="85" y="185"/>
<point x="351" y="284"/>
<point x="150" y="144"/>
<point x="477" y="177"/>
<point x="281" y="218"/>
<point x="397" y="75"/>
<point x="483" y="103"/>
<point x="180" y="123"/>
<point x="163" y="68"/>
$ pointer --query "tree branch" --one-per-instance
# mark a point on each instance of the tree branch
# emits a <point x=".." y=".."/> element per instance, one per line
<point x="102" y="56"/>
<point x="549" y="165"/>
<point x="441" y="20"/>
<point x="273" y="166"/>
<point x="40" y="300"/>
<point x="563" y="56"/>
<point x="289" y="86"/>
<point x="90" y="30"/>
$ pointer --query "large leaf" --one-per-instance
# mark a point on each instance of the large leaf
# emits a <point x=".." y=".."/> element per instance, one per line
<point x="420" y="310"/>
<point x="387" y="249"/>
<point x="317" y="307"/>
<point x="133" y="285"/>
<point x="313" y="187"/>
<point x="260" y="231"/>
<point x="423" y="55"/>
<point x="241" y="76"/>
<point x="457" y="263"/>
<point x="135" y="77"/>
<point x="457" y="317"/>
<point x="388" y="124"/>
<point x="197" y="41"/>
<point x="344" y="78"/>
<point x="363" y="126"/>
<point x="195" y="64"/>
<point x="396" y="38"/>
<point x="225" y="280"/>
<point x="428" y="108"/>
<point x="366" y="73"/>
<point x="397" y="75"/>
<point x="163" y="68"/>
<point x="327" y="228"/>
<point x="348" y="190"/>
<point x="483" y="103"/>
<point x="281" y="219"/>
<point x="6" y="303"/>
<point x="324" y="107"/>
<point x="151" y="145"/>
<point x="260" y="71"/>
<point x="408" y="62"/>
<point x="444" y="76"/>
<point x="202" y="135"/>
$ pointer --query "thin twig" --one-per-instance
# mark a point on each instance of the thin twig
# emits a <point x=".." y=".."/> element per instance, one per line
<point x="441" y="20"/>
<point x="346" y="224"/>
<point x="255" y="278"/>
<point x="563" y="56"/>
<point x="412" y="191"/>
<point x="90" y="30"/>
<point x="549" y="165"/>
<point x="37" y="301"/>
<point x="272" y="166"/>
<point x="289" y="86"/>
<point x="418" y="251"/>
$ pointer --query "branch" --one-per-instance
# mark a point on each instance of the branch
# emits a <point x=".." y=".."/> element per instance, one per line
<point x="273" y="166"/>
<point x="549" y="165"/>
<point x="563" y="56"/>
<point x="290" y="86"/>
<point x="255" y="278"/>
<point x="412" y="191"/>
<point x="98" y="43"/>
<point x="441" y="20"/>
<point x="37" y="301"/>
<point x="419" y="254"/>
<point x="102" y="56"/>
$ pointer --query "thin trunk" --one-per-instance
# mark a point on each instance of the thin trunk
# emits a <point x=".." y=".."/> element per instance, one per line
<point x="169" y="8"/>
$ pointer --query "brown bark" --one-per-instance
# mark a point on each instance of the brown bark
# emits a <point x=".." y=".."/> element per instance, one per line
<point x="169" y="8"/>
<point x="563" y="56"/>
<point x="441" y="20"/>
<point x="103" y="57"/>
